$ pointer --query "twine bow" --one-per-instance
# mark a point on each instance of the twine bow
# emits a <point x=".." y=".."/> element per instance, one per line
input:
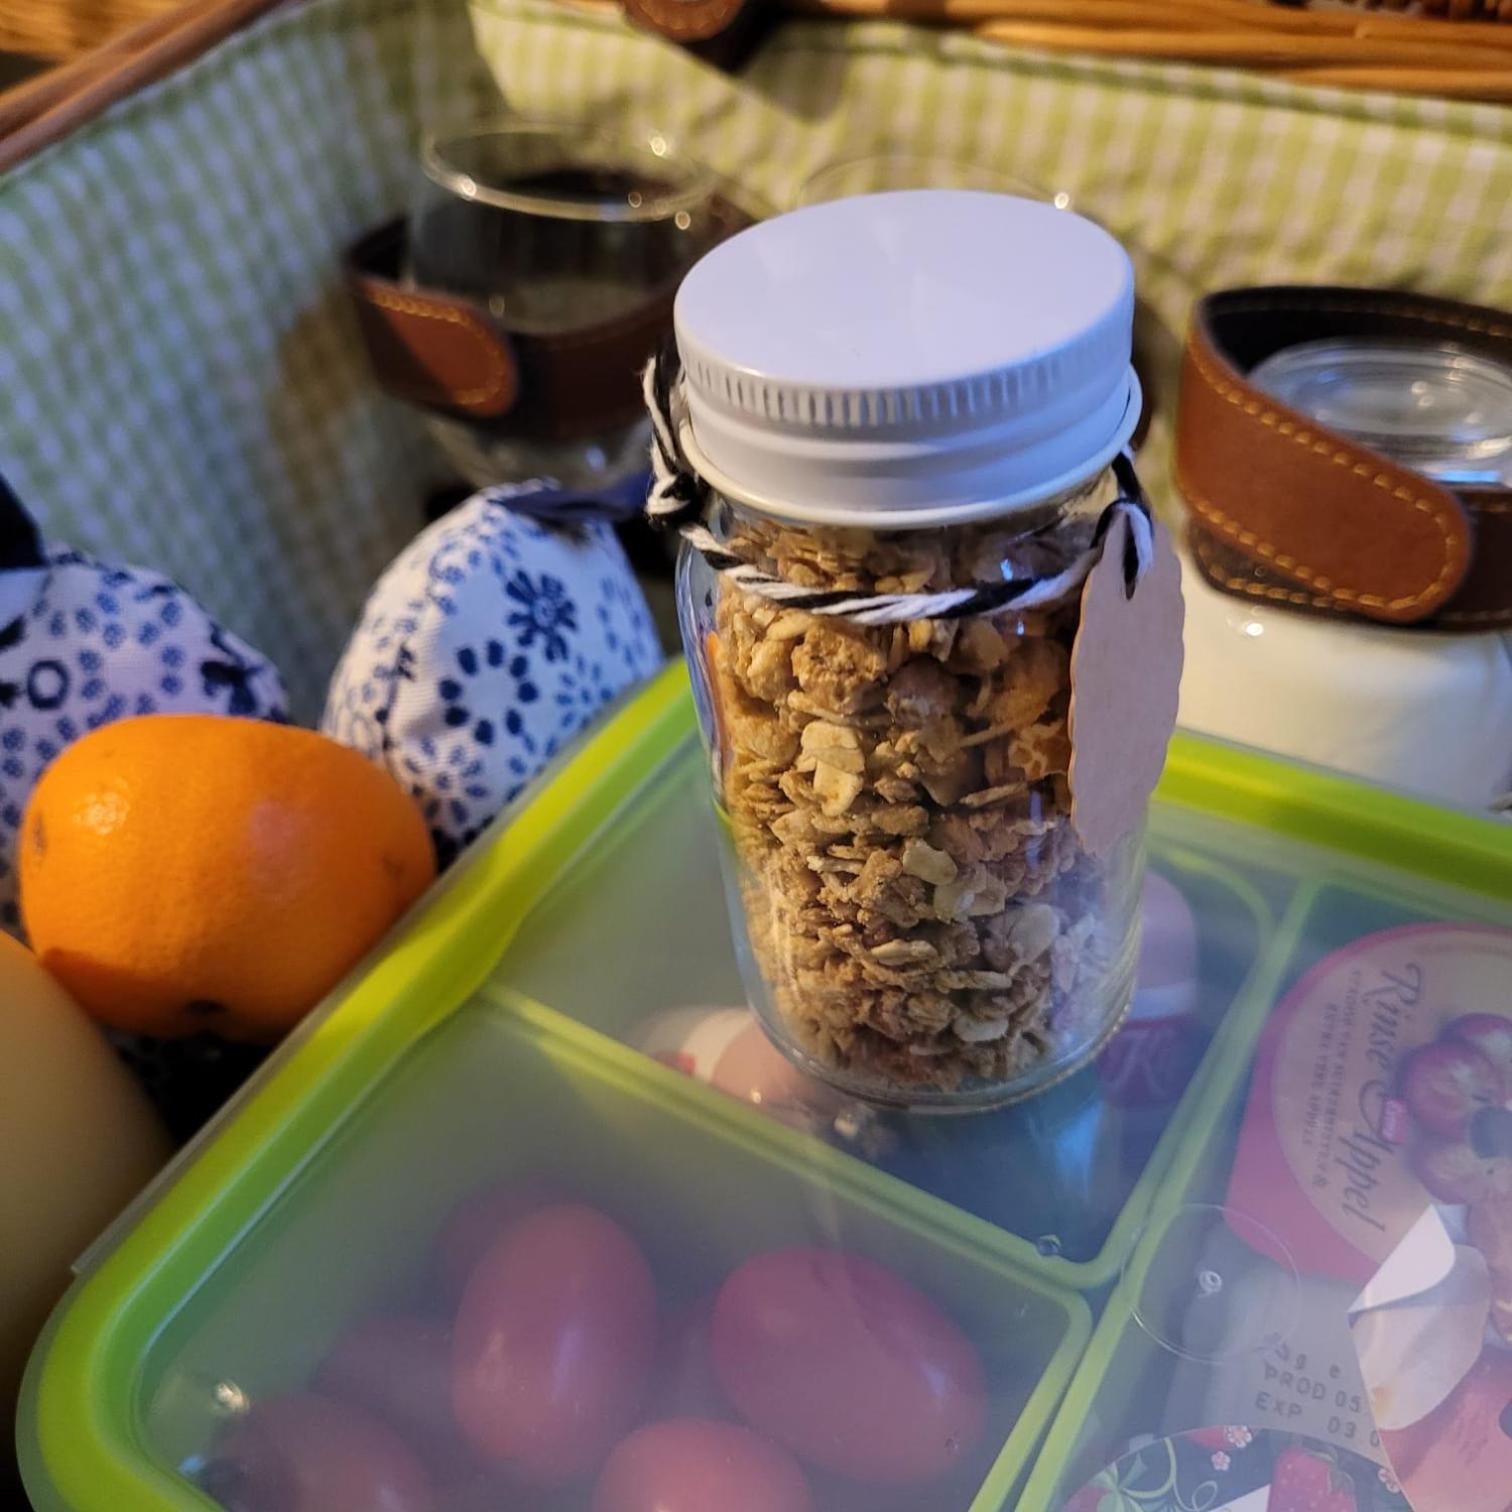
<point x="679" y="498"/>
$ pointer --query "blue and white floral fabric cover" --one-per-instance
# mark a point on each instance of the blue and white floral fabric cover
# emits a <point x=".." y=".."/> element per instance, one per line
<point x="490" y="641"/>
<point x="84" y="643"/>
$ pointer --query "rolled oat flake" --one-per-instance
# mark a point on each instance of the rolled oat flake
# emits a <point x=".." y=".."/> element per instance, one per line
<point x="893" y="439"/>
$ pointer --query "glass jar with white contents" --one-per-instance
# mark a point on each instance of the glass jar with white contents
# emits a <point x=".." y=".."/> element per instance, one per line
<point x="1427" y="710"/>
<point x="905" y="410"/>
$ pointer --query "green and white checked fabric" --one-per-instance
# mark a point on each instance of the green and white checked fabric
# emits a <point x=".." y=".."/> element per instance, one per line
<point x="180" y="381"/>
<point x="182" y="385"/>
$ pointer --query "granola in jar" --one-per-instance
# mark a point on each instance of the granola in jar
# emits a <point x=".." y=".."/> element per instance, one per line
<point x="918" y="903"/>
<point x="889" y="446"/>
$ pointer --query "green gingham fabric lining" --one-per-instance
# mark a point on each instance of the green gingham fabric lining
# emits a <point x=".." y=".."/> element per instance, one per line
<point x="180" y="383"/>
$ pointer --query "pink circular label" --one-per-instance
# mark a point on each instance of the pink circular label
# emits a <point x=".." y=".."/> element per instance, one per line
<point x="1383" y="1083"/>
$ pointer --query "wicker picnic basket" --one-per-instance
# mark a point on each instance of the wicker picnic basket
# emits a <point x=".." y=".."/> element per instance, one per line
<point x="1448" y="47"/>
<point x="1455" y="48"/>
<point x="118" y="50"/>
<point x="55" y="29"/>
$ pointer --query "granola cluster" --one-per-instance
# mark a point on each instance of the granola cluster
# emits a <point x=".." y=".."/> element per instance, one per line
<point x="918" y="901"/>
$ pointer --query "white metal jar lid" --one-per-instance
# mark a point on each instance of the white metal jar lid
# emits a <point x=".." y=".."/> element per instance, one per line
<point x="907" y="359"/>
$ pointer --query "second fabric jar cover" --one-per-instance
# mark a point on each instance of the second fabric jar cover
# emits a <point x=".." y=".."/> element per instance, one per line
<point x="489" y="641"/>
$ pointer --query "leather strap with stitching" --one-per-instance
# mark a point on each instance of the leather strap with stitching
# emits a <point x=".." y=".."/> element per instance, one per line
<point x="426" y="347"/>
<point x="685" y="20"/>
<point x="722" y="33"/>
<point x="1287" y="511"/>
<point x="449" y="353"/>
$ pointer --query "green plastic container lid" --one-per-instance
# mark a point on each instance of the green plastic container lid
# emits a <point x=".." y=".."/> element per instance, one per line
<point x="322" y="1296"/>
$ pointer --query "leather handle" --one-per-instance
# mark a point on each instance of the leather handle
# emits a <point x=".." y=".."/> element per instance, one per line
<point x="1481" y="603"/>
<point x="1485" y="597"/>
<point x="449" y="353"/>
<point x="685" y="20"/>
<point x="1286" y="510"/>
<point x="722" y="33"/>
<point x="426" y="347"/>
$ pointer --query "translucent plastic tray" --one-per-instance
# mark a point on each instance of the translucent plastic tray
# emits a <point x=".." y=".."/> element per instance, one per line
<point x="485" y="1103"/>
<point x="1071" y="1171"/>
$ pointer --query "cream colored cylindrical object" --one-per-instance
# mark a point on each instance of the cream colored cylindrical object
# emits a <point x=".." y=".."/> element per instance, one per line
<point x="1425" y="712"/>
<point x="79" y="1140"/>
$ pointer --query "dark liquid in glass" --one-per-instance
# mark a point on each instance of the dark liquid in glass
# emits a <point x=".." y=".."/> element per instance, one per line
<point x="543" y="272"/>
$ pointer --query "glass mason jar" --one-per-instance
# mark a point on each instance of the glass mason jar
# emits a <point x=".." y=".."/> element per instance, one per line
<point x="1366" y="698"/>
<point x="917" y="919"/>
<point x="554" y="227"/>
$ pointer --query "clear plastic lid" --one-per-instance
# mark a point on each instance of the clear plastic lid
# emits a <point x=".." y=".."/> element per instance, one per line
<point x="1435" y="406"/>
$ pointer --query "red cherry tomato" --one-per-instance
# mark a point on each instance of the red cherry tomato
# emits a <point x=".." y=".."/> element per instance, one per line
<point x="553" y="1345"/>
<point x="848" y="1366"/>
<point x="399" y="1369"/>
<point x="475" y="1223"/>
<point x="694" y="1465"/>
<point x="308" y="1453"/>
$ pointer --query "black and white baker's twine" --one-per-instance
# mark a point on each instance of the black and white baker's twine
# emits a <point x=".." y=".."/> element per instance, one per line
<point x="679" y="497"/>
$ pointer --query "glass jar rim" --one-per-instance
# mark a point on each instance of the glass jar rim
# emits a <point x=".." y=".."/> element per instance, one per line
<point x="928" y="169"/>
<point x="652" y="147"/>
<point x="1336" y="380"/>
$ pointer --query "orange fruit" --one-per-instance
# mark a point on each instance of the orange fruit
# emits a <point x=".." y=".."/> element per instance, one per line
<point x="187" y="872"/>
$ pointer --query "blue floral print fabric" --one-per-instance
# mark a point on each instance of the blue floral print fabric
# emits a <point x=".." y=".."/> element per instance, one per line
<point x="83" y="644"/>
<point x="485" y="646"/>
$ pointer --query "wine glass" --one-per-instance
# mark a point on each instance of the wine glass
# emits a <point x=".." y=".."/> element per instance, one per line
<point x="557" y="229"/>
